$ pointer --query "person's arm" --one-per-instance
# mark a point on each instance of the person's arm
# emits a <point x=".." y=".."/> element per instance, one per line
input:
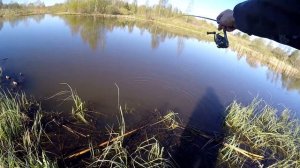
<point x="278" y="20"/>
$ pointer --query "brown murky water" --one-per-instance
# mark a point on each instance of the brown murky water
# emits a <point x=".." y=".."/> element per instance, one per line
<point x="153" y="68"/>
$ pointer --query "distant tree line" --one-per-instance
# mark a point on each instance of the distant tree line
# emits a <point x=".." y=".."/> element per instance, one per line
<point x="119" y="7"/>
<point x="17" y="9"/>
<point x="14" y="5"/>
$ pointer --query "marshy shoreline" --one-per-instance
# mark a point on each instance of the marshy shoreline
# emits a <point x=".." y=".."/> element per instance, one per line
<point x="253" y="135"/>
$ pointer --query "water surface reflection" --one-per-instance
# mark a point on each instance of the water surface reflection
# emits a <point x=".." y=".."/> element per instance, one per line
<point x="155" y="68"/>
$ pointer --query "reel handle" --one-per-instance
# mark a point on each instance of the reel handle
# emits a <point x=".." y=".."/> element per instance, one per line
<point x="208" y="33"/>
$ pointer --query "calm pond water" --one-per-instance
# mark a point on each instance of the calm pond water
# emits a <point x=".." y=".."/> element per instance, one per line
<point x="154" y="69"/>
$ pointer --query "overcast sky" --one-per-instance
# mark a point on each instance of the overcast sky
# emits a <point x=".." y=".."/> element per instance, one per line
<point x="208" y="8"/>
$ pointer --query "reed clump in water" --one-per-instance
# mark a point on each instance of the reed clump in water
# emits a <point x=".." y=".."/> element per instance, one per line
<point x="79" y="108"/>
<point x="263" y="131"/>
<point x="20" y="135"/>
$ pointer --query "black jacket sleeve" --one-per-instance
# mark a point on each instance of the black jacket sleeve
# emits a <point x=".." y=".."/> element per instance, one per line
<point x="278" y="20"/>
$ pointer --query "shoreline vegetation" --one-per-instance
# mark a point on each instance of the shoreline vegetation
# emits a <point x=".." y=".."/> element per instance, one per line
<point x="254" y="136"/>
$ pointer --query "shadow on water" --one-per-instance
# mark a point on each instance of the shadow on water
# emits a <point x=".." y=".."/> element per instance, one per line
<point x="197" y="151"/>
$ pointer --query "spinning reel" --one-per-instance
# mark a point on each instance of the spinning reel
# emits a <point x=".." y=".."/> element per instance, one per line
<point x="221" y="41"/>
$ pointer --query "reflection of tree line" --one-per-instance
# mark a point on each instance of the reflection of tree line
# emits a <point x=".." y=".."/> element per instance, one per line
<point x="15" y="21"/>
<point x="93" y="30"/>
<point x="278" y="70"/>
<point x="290" y="83"/>
<point x="1" y="24"/>
<point x="164" y="21"/>
<point x="254" y="58"/>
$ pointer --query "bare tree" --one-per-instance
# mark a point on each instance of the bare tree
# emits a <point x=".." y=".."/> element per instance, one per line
<point x="135" y="6"/>
<point x="148" y="11"/>
<point x="189" y="8"/>
<point x="162" y="4"/>
<point x="95" y="6"/>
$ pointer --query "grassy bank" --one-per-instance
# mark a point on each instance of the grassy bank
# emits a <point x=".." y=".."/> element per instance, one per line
<point x="21" y="133"/>
<point x="255" y="135"/>
<point x="271" y="139"/>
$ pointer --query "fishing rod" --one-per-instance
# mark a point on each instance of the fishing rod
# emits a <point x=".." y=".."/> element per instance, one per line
<point x="202" y="17"/>
<point x="221" y="41"/>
